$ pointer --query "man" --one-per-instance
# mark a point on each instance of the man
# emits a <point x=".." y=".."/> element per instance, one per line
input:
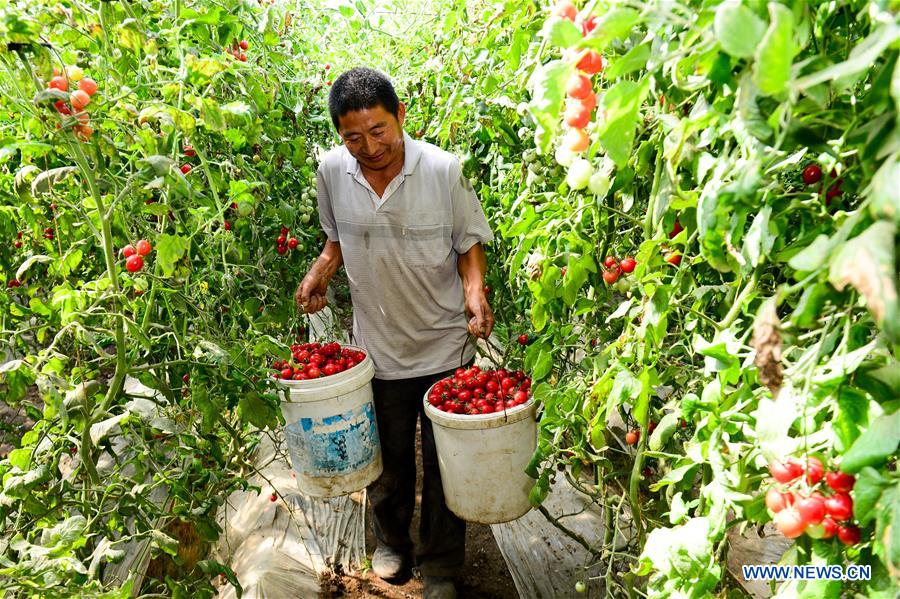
<point x="408" y="228"/>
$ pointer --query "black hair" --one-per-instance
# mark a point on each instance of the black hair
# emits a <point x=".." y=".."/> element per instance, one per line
<point x="361" y="88"/>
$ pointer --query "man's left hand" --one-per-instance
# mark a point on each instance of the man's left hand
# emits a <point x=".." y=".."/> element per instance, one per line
<point x="481" y="317"/>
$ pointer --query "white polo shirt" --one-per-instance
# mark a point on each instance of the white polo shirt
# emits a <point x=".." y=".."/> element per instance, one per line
<point x="400" y="254"/>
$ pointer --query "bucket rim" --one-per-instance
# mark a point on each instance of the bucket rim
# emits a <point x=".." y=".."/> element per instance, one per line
<point x="364" y="370"/>
<point x="479" y="421"/>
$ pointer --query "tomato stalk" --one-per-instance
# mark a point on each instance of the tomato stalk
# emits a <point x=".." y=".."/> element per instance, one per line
<point x="736" y="307"/>
<point x="633" y="483"/>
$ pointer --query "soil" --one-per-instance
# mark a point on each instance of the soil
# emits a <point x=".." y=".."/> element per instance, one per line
<point x="486" y="575"/>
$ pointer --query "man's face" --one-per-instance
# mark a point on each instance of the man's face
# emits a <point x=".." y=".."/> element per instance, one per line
<point x="373" y="136"/>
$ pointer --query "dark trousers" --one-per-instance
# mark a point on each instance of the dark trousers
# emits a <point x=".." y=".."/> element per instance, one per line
<point x="442" y="535"/>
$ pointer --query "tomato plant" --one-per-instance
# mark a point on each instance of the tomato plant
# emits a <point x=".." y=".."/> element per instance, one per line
<point x="741" y="156"/>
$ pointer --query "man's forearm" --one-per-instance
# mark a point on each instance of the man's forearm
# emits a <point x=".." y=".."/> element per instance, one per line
<point x="472" y="267"/>
<point x="329" y="261"/>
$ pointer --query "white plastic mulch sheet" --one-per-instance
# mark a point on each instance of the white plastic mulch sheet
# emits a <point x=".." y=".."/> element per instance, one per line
<point x="281" y="548"/>
<point x="544" y="562"/>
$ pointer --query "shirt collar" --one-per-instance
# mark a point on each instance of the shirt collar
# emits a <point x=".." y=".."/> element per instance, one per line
<point x="412" y="152"/>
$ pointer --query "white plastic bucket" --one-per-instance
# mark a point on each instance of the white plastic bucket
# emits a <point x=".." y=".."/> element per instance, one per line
<point x="482" y="459"/>
<point x="331" y="432"/>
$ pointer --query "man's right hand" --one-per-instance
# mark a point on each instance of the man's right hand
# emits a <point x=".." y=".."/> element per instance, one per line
<point x="310" y="295"/>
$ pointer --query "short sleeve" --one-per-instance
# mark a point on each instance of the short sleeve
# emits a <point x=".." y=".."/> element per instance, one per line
<point x="470" y="225"/>
<point x="326" y="211"/>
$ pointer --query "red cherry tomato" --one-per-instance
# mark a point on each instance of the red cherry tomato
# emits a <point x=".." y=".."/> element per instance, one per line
<point x="789" y="523"/>
<point x="134" y="263"/>
<point x="840" y="481"/>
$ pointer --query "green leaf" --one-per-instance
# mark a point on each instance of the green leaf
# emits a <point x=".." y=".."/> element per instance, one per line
<point x="549" y="88"/>
<point x="634" y="60"/>
<point x="69" y="262"/>
<point x="663" y="431"/>
<point x="612" y="25"/>
<point x="885" y="190"/>
<point x="65" y="533"/>
<point x="622" y="104"/>
<point x="257" y="411"/>
<point x="625" y="388"/>
<point x="874" y="446"/>
<point x="213" y="568"/>
<point x="809" y="308"/>
<point x="29" y="262"/>
<point x="162" y="541"/>
<point x="738" y="29"/>
<point x="892" y="535"/>
<point x="211" y="115"/>
<point x="202" y="69"/>
<point x="562" y="33"/>
<point x="539" y="316"/>
<point x="867" y="263"/>
<point x="239" y="110"/>
<point x="772" y="68"/>
<point x="542" y="365"/>
<point x="866" y="493"/>
<point x="861" y="58"/>
<point x="759" y="240"/>
<point x="38" y="307"/>
<point x="169" y="250"/>
<point x="812" y="256"/>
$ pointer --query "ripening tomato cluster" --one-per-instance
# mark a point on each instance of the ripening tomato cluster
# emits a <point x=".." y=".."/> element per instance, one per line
<point x="78" y="98"/>
<point x="474" y="391"/>
<point x="812" y="174"/>
<point x="615" y="268"/>
<point x="798" y="507"/>
<point x="189" y="152"/>
<point x="581" y="98"/>
<point x="237" y="50"/>
<point x="285" y="243"/>
<point x="316" y="360"/>
<point x="672" y="256"/>
<point x="134" y="255"/>
<point x="13" y="283"/>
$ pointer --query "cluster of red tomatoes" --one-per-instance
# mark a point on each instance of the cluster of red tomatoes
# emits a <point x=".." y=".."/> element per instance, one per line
<point x="237" y="50"/>
<point x="284" y="243"/>
<point x="315" y="360"/>
<point x="189" y="152"/>
<point x="615" y="268"/>
<point x="581" y="99"/>
<point x="78" y="98"/>
<point x="475" y="391"/>
<point x="134" y="255"/>
<point x="798" y="508"/>
<point x="812" y="174"/>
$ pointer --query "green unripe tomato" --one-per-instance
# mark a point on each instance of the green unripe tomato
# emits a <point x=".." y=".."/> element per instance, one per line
<point x="816" y="531"/>
<point x="304" y="218"/>
<point x="579" y="587"/>
<point x="599" y="184"/>
<point x="245" y="208"/>
<point x="313" y="193"/>
<point x="564" y="157"/>
<point x="579" y="173"/>
<point x="310" y="161"/>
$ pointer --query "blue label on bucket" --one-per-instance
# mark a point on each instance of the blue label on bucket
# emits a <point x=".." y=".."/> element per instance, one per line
<point x="333" y="445"/>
